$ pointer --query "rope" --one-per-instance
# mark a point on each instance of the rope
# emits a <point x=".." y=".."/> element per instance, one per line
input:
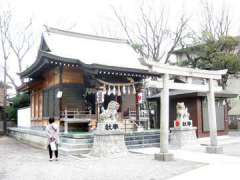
<point x="117" y="84"/>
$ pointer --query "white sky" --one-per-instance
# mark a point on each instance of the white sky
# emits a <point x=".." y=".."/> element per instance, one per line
<point x="96" y="16"/>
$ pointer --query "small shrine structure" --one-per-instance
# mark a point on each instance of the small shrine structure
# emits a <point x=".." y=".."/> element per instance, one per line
<point x="76" y="74"/>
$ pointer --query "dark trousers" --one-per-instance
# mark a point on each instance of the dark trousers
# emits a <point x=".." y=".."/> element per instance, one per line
<point x="51" y="152"/>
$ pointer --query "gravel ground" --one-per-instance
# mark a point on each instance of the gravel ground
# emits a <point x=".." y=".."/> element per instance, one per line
<point x="232" y="149"/>
<point x="22" y="162"/>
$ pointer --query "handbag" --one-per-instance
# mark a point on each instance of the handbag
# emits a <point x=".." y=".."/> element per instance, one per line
<point x="53" y="146"/>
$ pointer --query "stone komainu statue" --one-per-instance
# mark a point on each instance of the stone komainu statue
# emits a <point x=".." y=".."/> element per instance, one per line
<point x="110" y="114"/>
<point x="108" y="138"/>
<point x="182" y="116"/>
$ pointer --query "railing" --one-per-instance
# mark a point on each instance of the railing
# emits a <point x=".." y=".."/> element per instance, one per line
<point x="143" y="117"/>
<point x="132" y="116"/>
<point x="71" y="116"/>
<point x="80" y="116"/>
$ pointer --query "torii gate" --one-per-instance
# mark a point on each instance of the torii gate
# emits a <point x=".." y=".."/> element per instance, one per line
<point x="165" y="84"/>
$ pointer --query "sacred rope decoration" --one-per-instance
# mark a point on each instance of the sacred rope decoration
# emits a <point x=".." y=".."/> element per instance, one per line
<point x="118" y="88"/>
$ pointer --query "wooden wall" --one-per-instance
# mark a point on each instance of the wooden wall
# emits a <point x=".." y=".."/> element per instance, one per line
<point x="72" y="98"/>
<point x="50" y="79"/>
<point x="36" y="104"/>
<point x="72" y="76"/>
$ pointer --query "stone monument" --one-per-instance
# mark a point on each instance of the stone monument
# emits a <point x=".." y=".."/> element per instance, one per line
<point x="108" y="138"/>
<point x="183" y="133"/>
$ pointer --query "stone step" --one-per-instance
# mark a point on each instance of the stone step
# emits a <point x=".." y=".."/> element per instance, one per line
<point x="143" y="145"/>
<point x="149" y="141"/>
<point x="77" y="136"/>
<point x="76" y="151"/>
<point x="142" y="136"/>
<point x="76" y="145"/>
<point x="77" y="141"/>
<point x="82" y="144"/>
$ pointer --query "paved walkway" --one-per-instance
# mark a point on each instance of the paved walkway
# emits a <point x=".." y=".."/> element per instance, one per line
<point x="21" y="162"/>
<point x="220" y="166"/>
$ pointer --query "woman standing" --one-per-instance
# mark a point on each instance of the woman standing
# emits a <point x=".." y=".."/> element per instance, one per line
<point x="53" y="139"/>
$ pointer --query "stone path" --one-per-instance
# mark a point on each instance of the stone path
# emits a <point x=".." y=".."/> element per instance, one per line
<point x="22" y="162"/>
<point x="220" y="166"/>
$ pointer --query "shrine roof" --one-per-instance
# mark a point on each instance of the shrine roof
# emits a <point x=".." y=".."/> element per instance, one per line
<point x="86" y="49"/>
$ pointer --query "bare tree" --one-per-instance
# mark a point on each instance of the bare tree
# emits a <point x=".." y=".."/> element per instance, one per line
<point x="9" y="77"/>
<point x="21" y="42"/>
<point x="5" y="19"/>
<point x="14" y="41"/>
<point x="214" y="24"/>
<point x="151" y="33"/>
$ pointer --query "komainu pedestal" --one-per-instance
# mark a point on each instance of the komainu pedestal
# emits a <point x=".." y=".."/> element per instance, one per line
<point x="180" y="137"/>
<point x="182" y="133"/>
<point x="107" y="144"/>
<point x="108" y="138"/>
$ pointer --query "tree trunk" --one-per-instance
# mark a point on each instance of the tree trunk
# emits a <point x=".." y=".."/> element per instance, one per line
<point x="5" y="97"/>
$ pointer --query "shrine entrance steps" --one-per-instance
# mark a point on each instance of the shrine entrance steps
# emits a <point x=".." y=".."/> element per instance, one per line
<point x="77" y="144"/>
<point x="150" y="138"/>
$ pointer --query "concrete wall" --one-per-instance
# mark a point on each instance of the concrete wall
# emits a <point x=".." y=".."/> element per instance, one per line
<point x="33" y="137"/>
<point x="24" y="117"/>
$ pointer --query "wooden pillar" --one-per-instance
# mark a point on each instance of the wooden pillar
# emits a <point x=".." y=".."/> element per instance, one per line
<point x="213" y="148"/>
<point x="65" y="121"/>
<point x="60" y="85"/>
<point x="164" y="121"/>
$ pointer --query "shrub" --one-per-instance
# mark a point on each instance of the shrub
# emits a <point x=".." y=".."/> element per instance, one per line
<point x="19" y="101"/>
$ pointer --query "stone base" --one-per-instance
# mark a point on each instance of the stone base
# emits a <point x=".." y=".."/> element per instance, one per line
<point x="180" y="137"/>
<point x="108" y="144"/>
<point x="164" y="157"/>
<point x="214" y="149"/>
<point x="35" y="138"/>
